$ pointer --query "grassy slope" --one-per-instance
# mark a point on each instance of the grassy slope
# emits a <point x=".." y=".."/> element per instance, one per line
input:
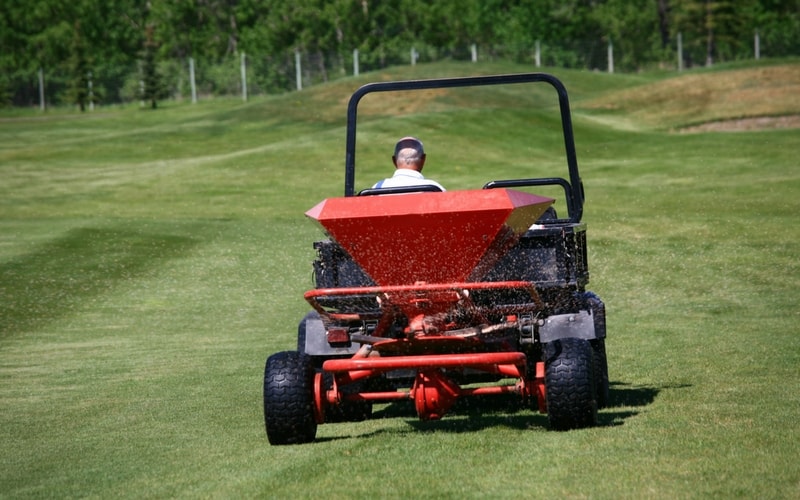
<point x="150" y="261"/>
<point x="708" y="95"/>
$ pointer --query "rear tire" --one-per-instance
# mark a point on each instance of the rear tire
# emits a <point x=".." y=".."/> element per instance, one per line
<point x="289" y="398"/>
<point x="569" y="384"/>
<point x="598" y="310"/>
<point x="600" y="372"/>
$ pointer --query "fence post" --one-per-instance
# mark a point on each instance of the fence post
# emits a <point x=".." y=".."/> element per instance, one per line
<point x="192" y="84"/>
<point x="41" y="90"/>
<point x="474" y="49"/>
<point x="680" y="51"/>
<point x="244" y="77"/>
<point x="298" y="75"/>
<point x="538" y="56"/>
<point x="414" y="56"/>
<point x="757" y="42"/>
<point x="141" y="83"/>
<point x="610" y="56"/>
<point x="91" y="92"/>
<point x="355" y="62"/>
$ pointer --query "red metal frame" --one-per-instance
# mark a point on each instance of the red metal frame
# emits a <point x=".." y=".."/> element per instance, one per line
<point x="433" y="392"/>
<point x="423" y="303"/>
<point x="431" y="342"/>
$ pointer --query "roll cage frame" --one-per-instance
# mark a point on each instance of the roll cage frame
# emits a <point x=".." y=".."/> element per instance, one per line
<point x="573" y="188"/>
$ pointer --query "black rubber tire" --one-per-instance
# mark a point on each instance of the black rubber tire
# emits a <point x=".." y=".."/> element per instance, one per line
<point x="289" y="398"/>
<point x="569" y="384"/>
<point x="598" y="309"/>
<point x="600" y="372"/>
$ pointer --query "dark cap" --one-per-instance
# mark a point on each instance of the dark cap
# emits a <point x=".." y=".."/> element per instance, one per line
<point x="409" y="142"/>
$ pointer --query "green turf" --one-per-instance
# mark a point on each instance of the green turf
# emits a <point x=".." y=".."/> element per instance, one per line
<point x="150" y="261"/>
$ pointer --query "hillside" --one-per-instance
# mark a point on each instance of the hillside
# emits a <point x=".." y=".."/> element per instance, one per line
<point x="733" y="99"/>
<point x="729" y="97"/>
<point x="465" y="129"/>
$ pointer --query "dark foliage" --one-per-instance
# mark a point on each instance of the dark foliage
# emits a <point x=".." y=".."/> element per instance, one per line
<point x="67" y="40"/>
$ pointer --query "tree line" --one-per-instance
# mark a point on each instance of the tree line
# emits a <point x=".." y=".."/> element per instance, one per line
<point x="119" y="44"/>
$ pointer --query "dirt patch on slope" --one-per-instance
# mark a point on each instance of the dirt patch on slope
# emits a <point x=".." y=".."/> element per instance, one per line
<point x="747" y="124"/>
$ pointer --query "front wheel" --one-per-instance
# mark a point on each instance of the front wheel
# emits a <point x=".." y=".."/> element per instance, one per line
<point x="289" y="398"/>
<point x="569" y="384"/>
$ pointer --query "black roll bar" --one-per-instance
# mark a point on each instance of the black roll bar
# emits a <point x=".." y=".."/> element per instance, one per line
<point x="573" y="188"/>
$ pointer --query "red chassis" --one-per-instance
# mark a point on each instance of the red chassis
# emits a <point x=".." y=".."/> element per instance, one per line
<point x="430" y="346"/>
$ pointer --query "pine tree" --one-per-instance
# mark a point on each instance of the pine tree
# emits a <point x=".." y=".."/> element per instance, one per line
<point x="153" y="89"/>
<point x="79" y="69"/>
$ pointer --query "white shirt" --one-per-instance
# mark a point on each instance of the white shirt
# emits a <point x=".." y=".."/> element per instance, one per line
<point x="406" y="177"/>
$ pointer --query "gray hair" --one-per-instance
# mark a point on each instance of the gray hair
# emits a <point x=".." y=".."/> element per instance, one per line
<point x="409" y="156"/>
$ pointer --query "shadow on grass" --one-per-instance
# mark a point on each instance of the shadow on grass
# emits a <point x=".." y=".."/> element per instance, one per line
<point x="623" y="395"/>
<point x="476" y="414"/>
<point x="63" y="274"/>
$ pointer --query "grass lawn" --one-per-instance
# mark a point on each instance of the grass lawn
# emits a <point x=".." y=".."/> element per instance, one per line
<point x="150" y="261"/>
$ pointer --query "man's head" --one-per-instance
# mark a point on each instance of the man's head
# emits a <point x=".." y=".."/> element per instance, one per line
<point x="409" y="153"/>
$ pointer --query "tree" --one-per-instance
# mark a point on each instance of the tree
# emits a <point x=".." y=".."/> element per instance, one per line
<point x="663" y="8"/>
<point x="778" y="25"/>
<point x="153" y="89"/>
<point x="633" y="28"/>
<point x="79" y="69"/>
<point x="713" y="29"/>
<point x="67" y="38"/>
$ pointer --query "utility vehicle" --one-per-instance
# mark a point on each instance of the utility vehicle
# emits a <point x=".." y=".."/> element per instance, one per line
<point x="429" y="297"/>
